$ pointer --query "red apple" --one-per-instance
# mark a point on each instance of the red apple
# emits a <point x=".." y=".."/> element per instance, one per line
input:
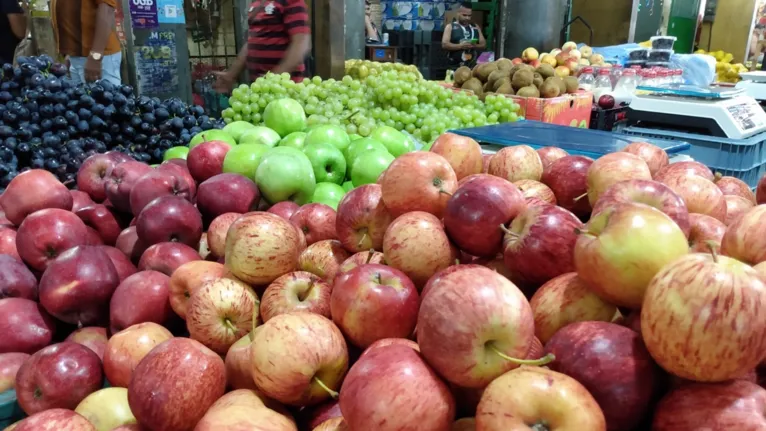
<point x="221" y="312"/>
<point x="188" y="278"/>
<point x="122" y="264"/>
<point x="563" y="300"/>
<point x="613" y="168"/>
<point x="701" y="195"/>
<point x="314" y="369"/>
<point x="46" y="234"/>
<point x="142" y="297"/>
<point x="477" y="210"/>
<point x="704" y="229"/>
<point x="519" y="162"/>
<point x="486" y="339"/>
<point x="418" y="181"/>
<point x="744" y="240"/>
<point x="261" y="246"/>
<point x="613" y="365"/>
<point x="361" y="258"/>
<point x="760" y="196"/>
<point x="548" y="155"/>
<point x="389" y="341"/>
<point x="539" y="244"/>
<point x="362" y="219"/>
<point x="179" y="168"/>
<point x="102" y="220"/>
<point x="316" y="221"/>
<point x="735" y="187"/>
<point x="32" y="191"/>
<point x="80" y="200"/>
<point x="26" y="326"/>
<point x="206" y="159"/>
<point x="416" y="244"/>
<point x="284" y="209"/>
<point x="655" y="157"/>
<point x="9" y="366"/>
<point x="119" y="156"/>
<point x="244" y="415"/>
<point x="567" y="177"/>
<point x="216" y="233"/>
<point x="77" y="286"/>
<point x="169" y="218"/>
<point x="623" y="247"/>
<point x="650" y="193"/>
<point x="156" y="184"/>
<point x="121" y="181"/>
<point x="225" y="193"/>
<point x="392" y="388"/>
<point x="485" y="159"/>
<point x="536" y="189"/>
<point x="129" y="244"/>
<point x="92" y="237"/>
<point x="125" y="350"/>
<point x="92" y="337"/>
<point x="734" y="405"/>
<point x="461" y="152"/>
<point x="702" y="308"/>
<point x="524" y="398"/>
<point x="166" y="257"/>
<point x="296" y="291"/>
<point x="323" y="259"/>
<point x="238" y="364"/>
<point x="54" y="419"/>
<point x="735" y="207"/>
<point x="684" y="168"/>
<point x="58" y="376"/>
<point x="373" y="302"/>
<point x="93" y="175"/>
<point x="175" y="384"/>
<point x="8" y="242"/>
<point x="16" y="280"/>
<point x="320" y="414"/>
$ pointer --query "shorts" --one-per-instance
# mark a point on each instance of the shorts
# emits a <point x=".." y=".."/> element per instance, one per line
<point x="110" y="68"/>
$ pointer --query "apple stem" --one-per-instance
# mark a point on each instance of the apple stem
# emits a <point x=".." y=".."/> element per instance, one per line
<point x="227" y="323"/>
<point x="445" y="193"/>
<point x="713" y="246"/>
<point x="581" y="231"/>
<point x="717" y="177"/>
<point x="457" y="261"/>
<point x="506" y="230"/>
<point x="321" y="384"/>
<point x="547" y="359"/>
<point x="361" y="240"/>
<point x="303" y="295"/>
<point x="580" y="197"/>
<point x="370" y="255"/>
<point x="68" y="182"/>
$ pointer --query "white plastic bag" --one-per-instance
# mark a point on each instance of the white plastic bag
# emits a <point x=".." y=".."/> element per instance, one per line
<point x="699" y="69"/>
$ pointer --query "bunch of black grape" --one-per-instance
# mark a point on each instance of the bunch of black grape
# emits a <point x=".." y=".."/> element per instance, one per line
<point x="49" y="122"/>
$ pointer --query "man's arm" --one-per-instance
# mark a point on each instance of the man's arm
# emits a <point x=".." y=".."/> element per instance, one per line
<point x="16" y="17"/>
<point x="296" y="19"/>
<point x="225" y="80"/>
<point x="482" y="42"/>
<point x="371" y="33"/>
<point x="104" y="26"/>
<point x="446" y="44"/>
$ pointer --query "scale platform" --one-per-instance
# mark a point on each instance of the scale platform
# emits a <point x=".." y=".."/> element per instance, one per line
<point x="582" y="142"/>
<point x="754" y="85"/>
<point x="716" y="111"/>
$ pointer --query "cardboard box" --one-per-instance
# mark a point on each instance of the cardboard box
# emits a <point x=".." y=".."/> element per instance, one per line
<point x="567" y="110"/>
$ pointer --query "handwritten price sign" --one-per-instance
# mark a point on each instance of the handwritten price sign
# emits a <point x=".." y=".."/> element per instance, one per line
<point x="157" y="64"/>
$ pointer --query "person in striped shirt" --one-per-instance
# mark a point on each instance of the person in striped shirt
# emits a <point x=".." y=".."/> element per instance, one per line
<point x="278" y="41"/>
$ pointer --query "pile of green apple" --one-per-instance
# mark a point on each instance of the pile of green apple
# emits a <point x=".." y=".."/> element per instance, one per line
<point x="290" y="160"/>
<point x="395" y="98"/>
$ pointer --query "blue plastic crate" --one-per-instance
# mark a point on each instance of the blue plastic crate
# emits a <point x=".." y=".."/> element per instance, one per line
<point x="715" y="152"/>
<point x="576" y="141"/>
<point x="10" y="411"/>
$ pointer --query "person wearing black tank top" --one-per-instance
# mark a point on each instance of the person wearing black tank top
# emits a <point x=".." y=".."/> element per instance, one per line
<point x="462" y="39"/>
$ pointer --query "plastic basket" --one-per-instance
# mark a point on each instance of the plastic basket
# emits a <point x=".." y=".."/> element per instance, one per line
<point x="608" y="120"/>
<point x="10" y="411"/>
<point x="741" y="158"/>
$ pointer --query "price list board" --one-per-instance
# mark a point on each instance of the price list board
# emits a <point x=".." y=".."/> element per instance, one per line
<point x="157" y="64"/>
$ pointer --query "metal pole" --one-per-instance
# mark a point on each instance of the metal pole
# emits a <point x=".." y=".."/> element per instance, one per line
<point x="330" y="38"/>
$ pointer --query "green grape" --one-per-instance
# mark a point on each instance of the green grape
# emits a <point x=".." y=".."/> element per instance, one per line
<point x="237" y="117"/>
<point x="227" y="113"/>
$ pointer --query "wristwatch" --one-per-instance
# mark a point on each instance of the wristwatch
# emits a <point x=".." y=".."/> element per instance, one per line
<point x="96" y="56"/>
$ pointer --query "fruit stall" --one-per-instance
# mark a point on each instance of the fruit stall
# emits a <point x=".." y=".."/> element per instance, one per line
<point x="355" y="255"/>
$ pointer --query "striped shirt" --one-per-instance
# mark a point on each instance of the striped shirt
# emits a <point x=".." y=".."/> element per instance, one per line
<point x="74" y="24"/>
<point x="272" y="23"/>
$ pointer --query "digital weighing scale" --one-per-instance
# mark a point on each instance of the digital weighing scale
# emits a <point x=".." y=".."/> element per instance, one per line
<point x="715" y="111"/>
<point x="754" y="85"/>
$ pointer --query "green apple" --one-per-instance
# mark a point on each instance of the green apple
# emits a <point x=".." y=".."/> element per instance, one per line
<point x="348" y="186"/>
<point x="211" y="135"/>
<point x="259" y="135"/>
<point x="284" y="116"/>
<point x="329" y="194"/>
<point x="328" y="134"/>
<point x="361" y="146"/>
<point x="395" y="141"/>
<point x="285" y="173"/>
<point x="368" y="167"/>
<point x="237" y="128"/>
<point x="176" y="153"/>
<point x="244" y="159"/>
<point x="295" y="140"/>
<point x="328" y="162"/>
<point x="354" y="137"/>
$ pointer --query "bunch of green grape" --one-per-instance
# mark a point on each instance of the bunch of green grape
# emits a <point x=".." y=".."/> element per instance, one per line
<point x="397" y="98"/>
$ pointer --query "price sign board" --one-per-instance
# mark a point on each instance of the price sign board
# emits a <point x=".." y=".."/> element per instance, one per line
<point x="157" y="64"/>
<point x="143" y="13"/>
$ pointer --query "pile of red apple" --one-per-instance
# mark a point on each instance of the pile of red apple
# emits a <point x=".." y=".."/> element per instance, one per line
<point x="521" y="290"/>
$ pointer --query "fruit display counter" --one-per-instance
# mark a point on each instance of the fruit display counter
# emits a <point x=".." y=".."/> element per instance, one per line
<point x="292" y="276"/>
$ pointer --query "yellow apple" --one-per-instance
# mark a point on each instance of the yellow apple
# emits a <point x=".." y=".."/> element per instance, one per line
<point x="107" y="409"/>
